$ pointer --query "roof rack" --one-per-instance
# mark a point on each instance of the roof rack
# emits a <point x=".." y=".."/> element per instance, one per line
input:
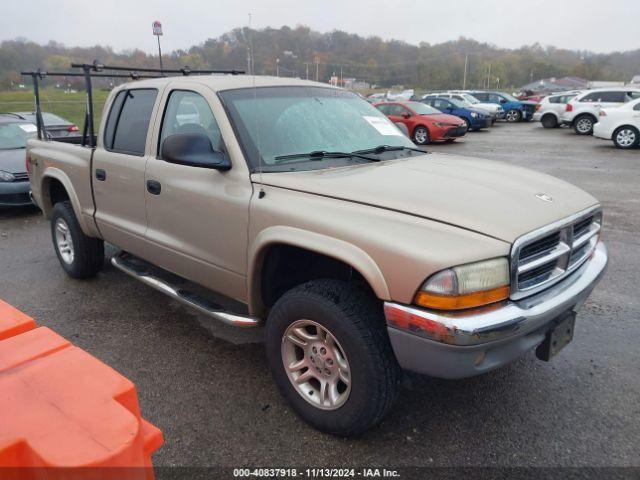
<point x="97" y="70"/>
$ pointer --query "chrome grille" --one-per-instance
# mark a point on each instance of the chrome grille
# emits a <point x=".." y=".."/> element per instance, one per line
<point x="544" y="257"/>
<point x="19" y="177"/>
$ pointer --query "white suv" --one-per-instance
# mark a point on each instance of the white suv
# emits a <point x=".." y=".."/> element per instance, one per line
<point x="549" y="110"/>
<point x="582" y="112"/>
<point x="622" y="125"/>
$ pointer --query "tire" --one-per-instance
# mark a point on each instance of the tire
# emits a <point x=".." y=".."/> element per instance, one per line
<point x="513" y="116"/>
<point x="79" y="255"/>
<point x="549" y="121"/>
<point x="583" y="125"/>
<point x="354" y="319"/>
<point x="467" y="123"/>
<point x="420" y="135"/>
<point x="626" y="137"/>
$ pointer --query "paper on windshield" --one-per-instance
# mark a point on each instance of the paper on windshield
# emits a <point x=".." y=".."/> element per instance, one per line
<point x="28" y="127"/>
<point x="383" y="126"/>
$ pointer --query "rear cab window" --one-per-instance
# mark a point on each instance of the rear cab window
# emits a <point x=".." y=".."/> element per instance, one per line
<point x="128" y="122"/>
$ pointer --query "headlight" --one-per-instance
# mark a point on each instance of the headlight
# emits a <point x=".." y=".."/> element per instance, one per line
<point x="6" y="176"/>
<point x="444" y="124"/>
<point x="474" y="114"/>
<point x="466" y="286"/>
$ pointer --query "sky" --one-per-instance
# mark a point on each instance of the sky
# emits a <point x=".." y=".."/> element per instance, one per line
<point x="595" y="25"/>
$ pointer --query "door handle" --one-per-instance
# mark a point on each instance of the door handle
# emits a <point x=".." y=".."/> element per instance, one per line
<point x="154" y="187"/>
<point x="101" y="175"/>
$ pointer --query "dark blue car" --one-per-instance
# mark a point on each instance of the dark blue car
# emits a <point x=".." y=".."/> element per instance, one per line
<point x="514" y="110"/>
<point x="474" y="118"/>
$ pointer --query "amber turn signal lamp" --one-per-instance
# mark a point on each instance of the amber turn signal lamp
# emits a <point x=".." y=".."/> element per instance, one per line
<point x="460" y="302"/>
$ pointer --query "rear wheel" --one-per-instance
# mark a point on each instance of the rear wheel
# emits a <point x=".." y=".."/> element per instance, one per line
<point x="626" y="137"/>
<point x="583" y="125"/>
<point x="330" y="356"/>
<point x="549" y="121"/>
<point x="513" y="116"/>
<point x="421" y="135"/>
<point x="80" y="256"/>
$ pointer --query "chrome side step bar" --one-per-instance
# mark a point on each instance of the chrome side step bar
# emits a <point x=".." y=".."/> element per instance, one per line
<point x="135" y="267"/>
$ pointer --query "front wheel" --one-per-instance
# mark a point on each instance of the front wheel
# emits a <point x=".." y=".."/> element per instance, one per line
<point x="626" y="137"/>
<point x="421" y="135"/>
<point x="329" y="353"/>
<point x="513" y="116"/>
<point x="80" y="256"/>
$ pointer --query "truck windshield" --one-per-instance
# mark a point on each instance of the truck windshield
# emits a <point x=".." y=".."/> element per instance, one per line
<point x="15" y="135"/>
<point x="273" y="122"/>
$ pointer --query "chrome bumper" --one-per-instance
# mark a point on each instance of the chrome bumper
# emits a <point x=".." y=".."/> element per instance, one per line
<point x="507" y="331"/>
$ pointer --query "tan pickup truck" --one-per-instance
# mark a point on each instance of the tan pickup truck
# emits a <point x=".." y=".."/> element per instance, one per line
<point x="298" y="206"/>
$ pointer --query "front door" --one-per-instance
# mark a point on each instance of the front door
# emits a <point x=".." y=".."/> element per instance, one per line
<point x="197" y="217"/>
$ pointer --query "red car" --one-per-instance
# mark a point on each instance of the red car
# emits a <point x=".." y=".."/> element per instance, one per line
<point x="424" y="123"/>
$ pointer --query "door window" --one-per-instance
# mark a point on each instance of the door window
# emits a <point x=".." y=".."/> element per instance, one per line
<point x="441" y="104"/>
<point x="397" y="110"/>
<point x="189" y="112"/>
<point x="384" y="108"/>
<point x="128" y="122"/>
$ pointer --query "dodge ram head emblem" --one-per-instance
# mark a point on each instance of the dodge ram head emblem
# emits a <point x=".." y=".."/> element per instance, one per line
<point x="544" y="197"/>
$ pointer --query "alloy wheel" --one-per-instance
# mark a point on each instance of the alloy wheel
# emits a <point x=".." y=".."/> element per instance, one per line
<point x="626" y="138"/>
<point x="584" y="125"/>
<point x="64" y="241"/>
<point x="316" y="364"/>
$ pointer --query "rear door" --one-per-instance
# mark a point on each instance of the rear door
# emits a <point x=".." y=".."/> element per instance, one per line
<point x="119" y="165"/>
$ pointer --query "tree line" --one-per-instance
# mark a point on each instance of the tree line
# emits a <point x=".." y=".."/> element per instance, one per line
<point x="302" y="52"/>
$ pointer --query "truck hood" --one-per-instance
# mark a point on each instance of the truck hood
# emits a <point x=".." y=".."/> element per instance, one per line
<point x="488" y="197"/>
<point x="13" y="161"/>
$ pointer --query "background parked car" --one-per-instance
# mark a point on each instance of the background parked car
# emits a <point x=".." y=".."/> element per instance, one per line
<point x="515" y="110"/>
<point x="494" y="110"/>
<point x="14" y="180"/>
<point x="549" y="110"/>
<point x="474" y="118"/>
<point x="424" y="123"/>
<point x="54" y="125"/>
<point x="620" y="124"/>
<point x="582" y="111"/>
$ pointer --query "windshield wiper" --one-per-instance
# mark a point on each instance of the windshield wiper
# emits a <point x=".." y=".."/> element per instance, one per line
<point x="387" y="148"/>
<point x="322" y="154"/>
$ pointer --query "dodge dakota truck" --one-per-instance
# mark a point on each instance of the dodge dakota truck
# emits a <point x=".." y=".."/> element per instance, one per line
<point x="299" y="208"/>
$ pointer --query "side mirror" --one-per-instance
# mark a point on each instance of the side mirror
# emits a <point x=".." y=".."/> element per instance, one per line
<point x="195" y="150"/>
<point x="503" y="101"/>
<point x="406" y="115"/>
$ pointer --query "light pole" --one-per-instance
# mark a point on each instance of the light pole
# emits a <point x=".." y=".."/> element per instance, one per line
<point x="277" y="67"/>
<point x="157" y="31"/>
<point x="464" y="78"/>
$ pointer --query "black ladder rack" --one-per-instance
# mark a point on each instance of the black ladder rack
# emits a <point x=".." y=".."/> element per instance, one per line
<point x="97" y="70"/>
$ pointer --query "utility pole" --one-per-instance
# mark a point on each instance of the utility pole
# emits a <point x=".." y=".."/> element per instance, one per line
<point x="277" y="67"/>
<point x="464" y="78"/>
<point x="248" y="60"/>
<point x="489" y="77"/>
<point x="307" y="65"/>
<point x="341" y="81"/>
<point x="317" y="68"/>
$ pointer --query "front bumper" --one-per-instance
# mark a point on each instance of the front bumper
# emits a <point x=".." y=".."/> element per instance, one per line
<point x="463" y="344"/>
<point x="15" y="194"/>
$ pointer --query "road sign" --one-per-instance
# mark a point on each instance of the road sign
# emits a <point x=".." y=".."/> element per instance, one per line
<point x="157" y="28"/>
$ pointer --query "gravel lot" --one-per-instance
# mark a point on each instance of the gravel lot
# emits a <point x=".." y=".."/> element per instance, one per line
<point x="208" y="388"/>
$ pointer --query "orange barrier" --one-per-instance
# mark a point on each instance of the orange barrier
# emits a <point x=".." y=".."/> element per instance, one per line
<point x="63" y="413"/>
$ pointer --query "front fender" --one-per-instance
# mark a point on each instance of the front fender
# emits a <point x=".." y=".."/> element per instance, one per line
<point x="323" y="244"/>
